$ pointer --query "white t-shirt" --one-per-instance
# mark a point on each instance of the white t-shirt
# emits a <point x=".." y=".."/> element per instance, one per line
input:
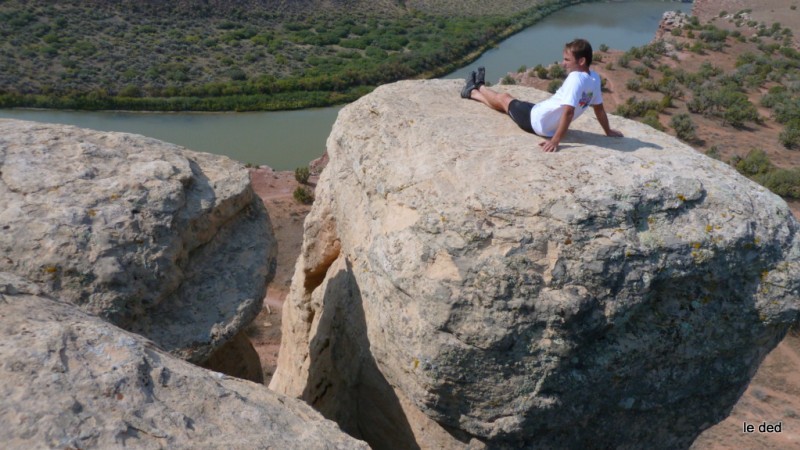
<point x="579" y="90"/>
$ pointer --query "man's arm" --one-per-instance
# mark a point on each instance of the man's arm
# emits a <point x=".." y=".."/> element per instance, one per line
<point x="551" y="145"/>
<point x="600" y="113"/>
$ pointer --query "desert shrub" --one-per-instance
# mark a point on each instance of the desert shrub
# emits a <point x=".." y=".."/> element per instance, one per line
<point x="675" y="31"/>
<point x="130" y="91"/>
<point x="668" y="85"/>
<point x="602" y="48"/>
<point x="303" y="195"/>
<point x="713" y="35"/>
<point x="235" y="73"/>
<point x="641" y="71"/>
<point x="633" y="107"/>
<point x="553" y="86"/>
<point x="649" y="84"/>
<point x="301" y="174"/>
<point x="714" y="152"/>
<point x="634" y="84"/>
<point x="787" y="110"/>
<point x="756" y="162"/>
<point x="610" y="66"/>
<point x="540" y="71"/>
<point x="697" y="47"/>
<point x="739" y="112"/>
<point x="522" y="69"/>
<point x="774" y="96"/>
<point x="651" y="118"/>
<point x="666" y="102"/>
<point x="556" y="71"/>
<point x="701" y="102"/>
<point x="790" y="135"/>
<point x="624" y="60"/>
<point x="684" y="127"/>
<point x="784" y="182"/>
<point x="508" y="79"/>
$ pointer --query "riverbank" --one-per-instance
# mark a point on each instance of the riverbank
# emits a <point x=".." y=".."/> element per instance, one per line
<point x="227" y="61"/>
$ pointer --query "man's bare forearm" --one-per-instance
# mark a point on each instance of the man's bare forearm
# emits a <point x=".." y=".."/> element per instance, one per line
<point x="602" y="117"/>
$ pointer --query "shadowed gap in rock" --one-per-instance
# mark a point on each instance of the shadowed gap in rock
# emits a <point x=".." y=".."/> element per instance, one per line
<point x="345" y="384"/>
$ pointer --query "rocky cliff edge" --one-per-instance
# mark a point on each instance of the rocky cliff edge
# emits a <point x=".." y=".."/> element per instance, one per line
<point x="159" y="240"/>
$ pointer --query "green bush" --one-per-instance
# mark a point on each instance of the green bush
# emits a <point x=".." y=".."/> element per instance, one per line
<point x="540" y="71"/>
<point x="790" y="135"/>
<point x="508" y="79"/>
<point x="303" y="195"/>
<point x="684" y="127"/>
<point x="784" y="182"/>
<point x="602" y="48"/>
<point x="553" y="86"/>
<point x="714" y="152"/>
<point x="556" y="71"/>
<point x="714" y="35"/>
<point x="651" y="118"/>
<point x="756" y="165"/>
<point x="301" y="174"/>
<point x="756" y="162"/>
<point x="634" y="107"/>
<point x="666" y="102"/>
<point x="634" y="84"/>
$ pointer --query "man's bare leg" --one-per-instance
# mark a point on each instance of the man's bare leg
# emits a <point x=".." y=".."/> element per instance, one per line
<point x="495" y="100"/>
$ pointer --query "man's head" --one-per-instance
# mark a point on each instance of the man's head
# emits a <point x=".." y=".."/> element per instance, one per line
<point x="581" y="52"/>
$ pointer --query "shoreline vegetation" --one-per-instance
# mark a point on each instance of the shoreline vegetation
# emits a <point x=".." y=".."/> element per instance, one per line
<point x="149" y="57"/>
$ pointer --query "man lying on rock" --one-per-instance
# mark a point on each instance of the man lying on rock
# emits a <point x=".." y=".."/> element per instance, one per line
<point x="552" y="117"/>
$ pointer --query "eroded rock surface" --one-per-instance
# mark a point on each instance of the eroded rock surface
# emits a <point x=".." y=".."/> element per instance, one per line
<point x="71" y="380"/>
<point x="459" y="287"/>
<point x="159" y="240"/>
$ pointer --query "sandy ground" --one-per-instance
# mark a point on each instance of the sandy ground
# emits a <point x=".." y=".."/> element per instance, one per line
<point x="774" y="394"/>
<point x="287" y="216"/>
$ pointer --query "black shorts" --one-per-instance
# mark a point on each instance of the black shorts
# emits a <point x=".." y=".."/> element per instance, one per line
<point x="520" y="113"/>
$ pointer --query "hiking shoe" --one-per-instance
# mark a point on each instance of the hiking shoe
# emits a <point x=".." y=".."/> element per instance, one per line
<point x="480" y="78"/>
<point x="469" y="86"/>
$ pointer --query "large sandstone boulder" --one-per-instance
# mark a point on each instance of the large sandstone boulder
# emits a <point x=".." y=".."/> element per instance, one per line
<point x="459" y="287"/>
<point x="159" y="240"/>
<point x="71" y="380"/>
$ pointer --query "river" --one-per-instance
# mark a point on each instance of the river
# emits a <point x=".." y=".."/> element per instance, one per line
<point x="288" y="139"/>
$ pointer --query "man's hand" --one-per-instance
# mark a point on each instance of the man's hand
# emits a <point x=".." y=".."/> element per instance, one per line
<point x="549" y="146"/>
<point x="614" y="133"/>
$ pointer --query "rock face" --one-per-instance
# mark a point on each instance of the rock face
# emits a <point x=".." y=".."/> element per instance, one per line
<point x="159" y="240"/>
<point x="458" y="287"/>
<point x="71" y="380"/>
<point x="669" y="21"/>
